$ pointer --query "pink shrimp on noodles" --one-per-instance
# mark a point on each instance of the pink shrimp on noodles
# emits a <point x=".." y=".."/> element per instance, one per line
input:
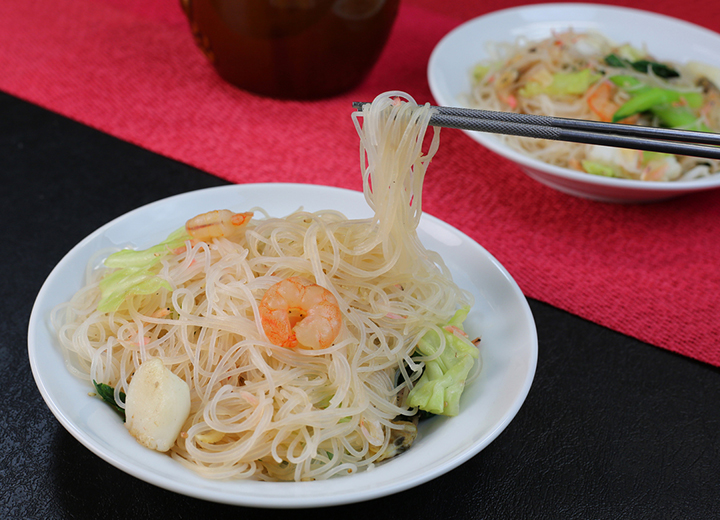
<point x="217" y="224"/>
<point x="298" y="313"/>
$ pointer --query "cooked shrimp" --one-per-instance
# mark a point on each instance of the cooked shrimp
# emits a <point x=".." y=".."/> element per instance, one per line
<point x="600" y="102"/>
<point x="216" y="224"/>
<point x="298" y="313"/>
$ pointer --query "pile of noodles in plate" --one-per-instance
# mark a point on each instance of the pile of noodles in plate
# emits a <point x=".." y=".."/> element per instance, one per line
<point x="210" y="320"/>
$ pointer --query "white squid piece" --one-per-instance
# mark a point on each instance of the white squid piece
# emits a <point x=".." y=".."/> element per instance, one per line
<point x="157" y="405"/>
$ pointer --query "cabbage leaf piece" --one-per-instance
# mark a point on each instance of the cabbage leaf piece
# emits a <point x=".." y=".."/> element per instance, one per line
<point x="604" y="170"/>
<point x="563" y="84"/>
<point x="442" y="383"/>
<point x="136" y="272"/>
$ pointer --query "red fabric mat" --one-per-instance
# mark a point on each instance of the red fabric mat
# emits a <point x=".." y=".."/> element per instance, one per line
<point x="130" y="68"/>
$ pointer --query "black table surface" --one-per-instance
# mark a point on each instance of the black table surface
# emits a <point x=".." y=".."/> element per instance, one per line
<point x="612" y="427"/>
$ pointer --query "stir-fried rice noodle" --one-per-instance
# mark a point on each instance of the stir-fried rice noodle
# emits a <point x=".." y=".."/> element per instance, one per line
<point x="500" y="83"/>
<point x="258" y="410"/>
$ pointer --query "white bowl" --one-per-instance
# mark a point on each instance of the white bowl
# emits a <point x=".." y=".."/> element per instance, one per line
<point x="666" y="38"/>
<point x="501" y="315"/>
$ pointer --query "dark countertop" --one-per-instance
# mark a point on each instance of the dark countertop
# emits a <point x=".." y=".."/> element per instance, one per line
<point x="612" y="427"/>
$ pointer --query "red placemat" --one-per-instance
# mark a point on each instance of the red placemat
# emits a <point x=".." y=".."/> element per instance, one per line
<point x="131" y="69"/>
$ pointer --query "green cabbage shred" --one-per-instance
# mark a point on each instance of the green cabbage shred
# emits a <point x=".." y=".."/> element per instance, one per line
<point x="439" y="388"/>
<point x="136" y="272"/>
<point x="563" y="84"/>
<point x="596" y="168"/>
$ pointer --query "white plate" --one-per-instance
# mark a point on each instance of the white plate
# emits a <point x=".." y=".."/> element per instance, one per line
<point x="666" y="38"/>
<point x="501" y="315"/>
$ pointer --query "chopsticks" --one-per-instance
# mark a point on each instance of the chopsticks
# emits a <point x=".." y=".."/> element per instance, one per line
<point x="664" y="140"/>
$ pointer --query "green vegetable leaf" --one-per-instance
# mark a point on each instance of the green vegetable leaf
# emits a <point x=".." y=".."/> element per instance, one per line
<point x="563" y="83"/>
<point x="614" y="60"/>
<point x="107" y="393"/>
<point x="648" y="156"/>
<point x="596" y="168"/>
<point x="659" y="69"/>
<point x="655" y="99"/>
<point x="479" y="72"/>
<point x="626" y="82"/>
<point x="439" y="389"/>
<point x="675" y="117"/>
<point x="135" y="274"/>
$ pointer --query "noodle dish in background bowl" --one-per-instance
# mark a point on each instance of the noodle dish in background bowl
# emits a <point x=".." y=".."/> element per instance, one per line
<point x="462" y="53"/>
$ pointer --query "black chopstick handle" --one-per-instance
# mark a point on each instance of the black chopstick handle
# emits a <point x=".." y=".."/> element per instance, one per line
<point x="649" y="132"/>
<point x="671" y="134"/>
<point x="664" y="140"/>
<point x="575" y="136"/>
